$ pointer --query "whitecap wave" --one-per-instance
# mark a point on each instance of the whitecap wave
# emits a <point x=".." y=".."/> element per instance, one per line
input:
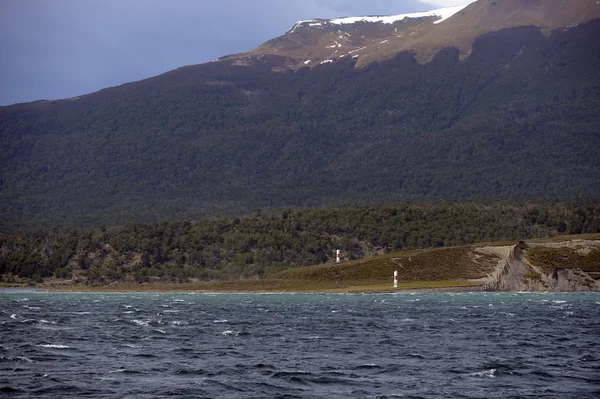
<point x="118" y="371"/>
<point x="230" y="333"/>
<point x="311" y="337"/>
<point x="491" y="373"/>
<point x="54" y="346"/>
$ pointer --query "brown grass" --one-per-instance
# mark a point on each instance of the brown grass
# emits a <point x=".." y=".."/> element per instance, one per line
<point x="445" y="264"/>
<point x="549" y="259"/>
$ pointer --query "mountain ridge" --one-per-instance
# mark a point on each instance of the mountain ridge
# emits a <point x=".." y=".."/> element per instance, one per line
<point x="516" y="119"/>
<point x="370" y="39"/>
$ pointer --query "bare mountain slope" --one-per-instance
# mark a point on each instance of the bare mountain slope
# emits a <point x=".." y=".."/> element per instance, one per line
<point x="377" y="38"/>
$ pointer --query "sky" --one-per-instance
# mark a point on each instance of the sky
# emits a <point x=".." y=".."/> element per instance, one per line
<point x="52" y="49"/>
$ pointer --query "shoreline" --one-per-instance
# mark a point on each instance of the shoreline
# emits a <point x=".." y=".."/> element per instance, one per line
<point x="422" y="291"/>
<point x="276" y="286"/>
<point x="259" y="287"/>
<point x="129" y="289"/>
<point x="559" y="265"/>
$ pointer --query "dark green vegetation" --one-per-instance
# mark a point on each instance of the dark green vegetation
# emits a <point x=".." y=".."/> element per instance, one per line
<point x="263" y="244"/>
<point x="519" y="118"/>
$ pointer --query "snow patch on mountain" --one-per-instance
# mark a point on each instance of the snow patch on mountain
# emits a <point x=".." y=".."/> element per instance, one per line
<point x="442" y="13"/>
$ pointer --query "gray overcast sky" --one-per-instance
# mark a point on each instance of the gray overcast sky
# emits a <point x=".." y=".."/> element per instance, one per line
<point x="52" y="49"/>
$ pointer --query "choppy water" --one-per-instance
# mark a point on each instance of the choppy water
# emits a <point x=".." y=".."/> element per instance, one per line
<point x="300" y="346"/>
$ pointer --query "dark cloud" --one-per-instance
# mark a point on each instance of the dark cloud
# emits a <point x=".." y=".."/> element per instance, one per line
<point x="62" y="48"/>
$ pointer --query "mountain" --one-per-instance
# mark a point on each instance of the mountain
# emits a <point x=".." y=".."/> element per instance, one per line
<point x="378" y="38"/>
<point x="498" y="101"/>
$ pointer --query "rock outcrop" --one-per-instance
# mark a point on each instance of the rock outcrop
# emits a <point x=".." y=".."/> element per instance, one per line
<point x="516" y="273"/>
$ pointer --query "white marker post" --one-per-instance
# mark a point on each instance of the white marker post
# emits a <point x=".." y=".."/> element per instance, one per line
<point x="396" y="279"/>
<point x="337" y="256"/>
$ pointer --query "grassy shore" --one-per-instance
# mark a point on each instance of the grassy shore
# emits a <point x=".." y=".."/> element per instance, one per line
<point x="439" y="269"/>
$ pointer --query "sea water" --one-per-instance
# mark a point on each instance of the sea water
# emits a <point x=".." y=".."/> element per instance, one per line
<point x="469" y="345"/>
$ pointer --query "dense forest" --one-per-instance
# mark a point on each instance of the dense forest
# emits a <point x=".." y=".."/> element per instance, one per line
<point x="259" y="245"/>
<point x="516" y="119"/>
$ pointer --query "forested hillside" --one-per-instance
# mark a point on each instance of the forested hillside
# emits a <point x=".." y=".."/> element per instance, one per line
<point x="264" y="243"/>
<point x="518" y="118"/>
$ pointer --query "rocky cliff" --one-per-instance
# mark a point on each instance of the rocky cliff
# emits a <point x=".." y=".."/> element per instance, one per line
<point x="524" y="270"/>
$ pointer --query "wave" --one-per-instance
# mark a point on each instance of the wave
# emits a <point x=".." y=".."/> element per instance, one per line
<point x="15" y="359"/>
<point x="368" y="366"/>
<point x="11" y="390"/>
<point x="190" y="372"/>
<point x="227" y="339"/>
<point x="21" y="319"/>
<point x="54" y="346"/>
<point x="491" y="373"/>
